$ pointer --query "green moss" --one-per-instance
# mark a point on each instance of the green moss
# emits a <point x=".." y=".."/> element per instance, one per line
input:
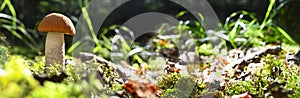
<point x="205" y="49"/>
<point x="17" y="81"/>
<point x="176" y="86"/>
<point x="57" y="90"/>
<point x="274" y="78"/>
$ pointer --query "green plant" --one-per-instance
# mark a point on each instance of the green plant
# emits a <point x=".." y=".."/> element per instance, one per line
<point x="275" y="78"/>
<point x="194" y="26"/>
<point x="15" y="26"/>
<point x="103" y="47"/>
<point x="245" y="33"/>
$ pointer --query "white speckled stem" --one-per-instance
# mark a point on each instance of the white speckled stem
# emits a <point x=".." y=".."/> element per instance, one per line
<point x="55" y="49"/>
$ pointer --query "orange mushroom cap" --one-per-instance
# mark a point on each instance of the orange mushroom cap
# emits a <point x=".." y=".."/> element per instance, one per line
<point x="56" y="22"/>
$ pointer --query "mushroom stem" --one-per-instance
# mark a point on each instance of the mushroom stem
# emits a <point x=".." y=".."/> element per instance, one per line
<point x="55" y="49"/>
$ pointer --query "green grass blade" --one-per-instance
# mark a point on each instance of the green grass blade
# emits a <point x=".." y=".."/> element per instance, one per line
<point x="12" y="11"/>
<point x="73" y="47"/>
<point x="89" y="23"/>
<point x="272" y="2"/>
<point x="201" y="17"/>
<point x="286" y="35"/>
<point x="2" y="6"/>
<point x="233" y="33"/>
<point x="6" y="16"/>
<point x="181" y="14"/>
<point x="22" y="29"/>
<point x="10" y="29"/>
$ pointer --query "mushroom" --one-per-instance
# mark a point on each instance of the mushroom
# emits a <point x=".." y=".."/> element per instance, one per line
<point x="56" y="25"/>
